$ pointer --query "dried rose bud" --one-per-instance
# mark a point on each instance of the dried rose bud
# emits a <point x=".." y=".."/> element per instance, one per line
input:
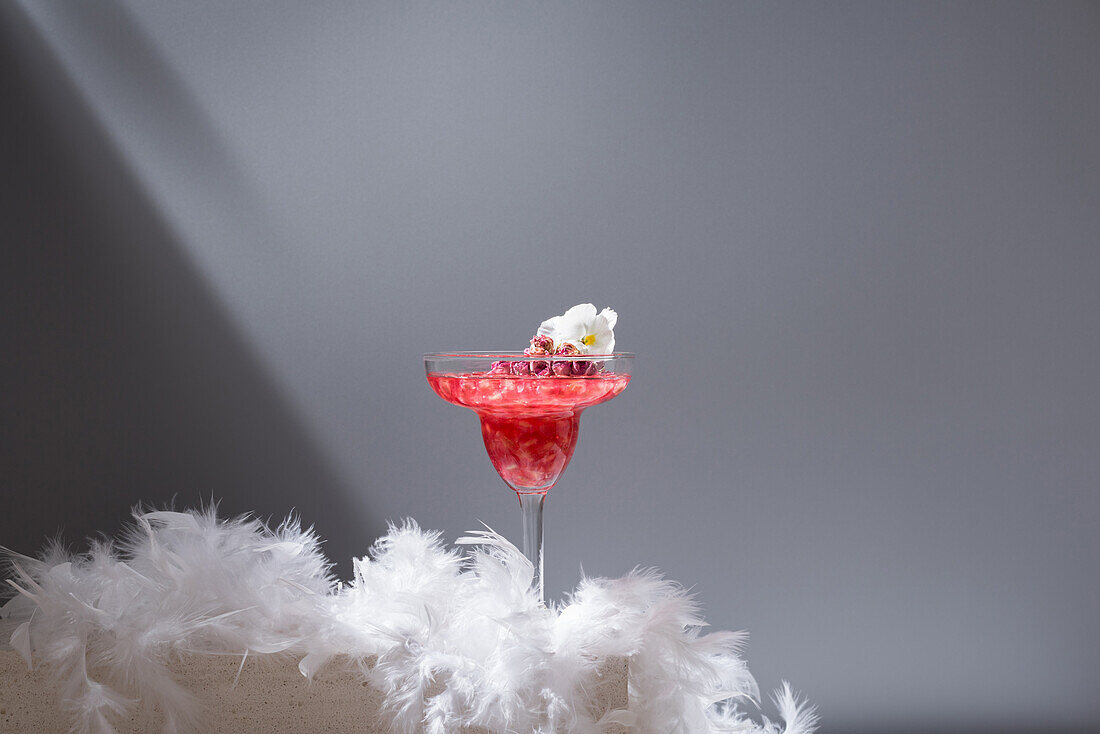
<point x="597" y="367"/>
<point x="582" y="368"/>
<point x="540" y="344"/>
<point x="567" y="350"/>
<point x="541" y="368"/>
<point x="521" y="367"/>
<point x="563" y="369"/>
<point x="501" y="368"/>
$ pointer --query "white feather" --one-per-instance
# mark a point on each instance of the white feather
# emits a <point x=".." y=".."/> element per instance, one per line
<point x="451" y="641"/>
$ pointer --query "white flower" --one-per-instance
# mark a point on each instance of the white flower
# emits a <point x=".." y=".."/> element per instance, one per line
<point x="581" y="326"/>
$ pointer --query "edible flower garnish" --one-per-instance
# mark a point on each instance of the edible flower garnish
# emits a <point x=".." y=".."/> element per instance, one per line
<point x="578" y="332"/>
<point x="583" y="329"/>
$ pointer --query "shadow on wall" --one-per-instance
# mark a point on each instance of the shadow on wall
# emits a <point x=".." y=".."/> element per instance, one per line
<point x="122" y="378"/>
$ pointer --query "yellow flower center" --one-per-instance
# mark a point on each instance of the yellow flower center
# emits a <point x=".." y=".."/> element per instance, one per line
<point x="589" y="340"/>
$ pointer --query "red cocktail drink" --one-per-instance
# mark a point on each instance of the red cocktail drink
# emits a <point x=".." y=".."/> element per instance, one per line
<point x="529" y="424"/>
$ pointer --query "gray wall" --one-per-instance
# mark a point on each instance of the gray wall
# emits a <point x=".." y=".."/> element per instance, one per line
<point x="855" y="246"/>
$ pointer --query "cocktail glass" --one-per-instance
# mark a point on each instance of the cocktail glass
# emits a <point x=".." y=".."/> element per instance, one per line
<point x="530" y="409"/>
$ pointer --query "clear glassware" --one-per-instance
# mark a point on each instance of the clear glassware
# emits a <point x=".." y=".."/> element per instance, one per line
<point x="529" y="408"/>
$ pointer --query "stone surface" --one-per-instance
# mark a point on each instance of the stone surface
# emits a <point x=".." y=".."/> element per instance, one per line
<point x="271" y="696"/>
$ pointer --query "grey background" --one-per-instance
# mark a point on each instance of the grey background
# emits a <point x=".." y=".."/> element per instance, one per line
<point x="855" y="247"/>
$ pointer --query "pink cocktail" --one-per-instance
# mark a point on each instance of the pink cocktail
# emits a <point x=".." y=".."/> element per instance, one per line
<point x="529" y="423"/>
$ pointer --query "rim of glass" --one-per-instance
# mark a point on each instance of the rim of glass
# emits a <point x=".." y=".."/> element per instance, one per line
<point x="521" y="355"/>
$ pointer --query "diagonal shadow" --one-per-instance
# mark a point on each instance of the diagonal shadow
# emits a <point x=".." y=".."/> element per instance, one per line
<point x="121" y="378"/>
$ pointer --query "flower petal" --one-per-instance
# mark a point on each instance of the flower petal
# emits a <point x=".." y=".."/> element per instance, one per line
<point x="605" y="342"/>
<point x="601" y="336"/>
<point x="611" y="316"/>
<point x="549" y="327"/>
<point x="582" y="312"/>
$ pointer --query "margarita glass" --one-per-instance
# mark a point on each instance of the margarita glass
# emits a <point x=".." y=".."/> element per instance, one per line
<point x="530" y="408"/>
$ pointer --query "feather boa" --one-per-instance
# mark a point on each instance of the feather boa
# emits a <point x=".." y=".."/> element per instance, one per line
<point x="451" y="640"/>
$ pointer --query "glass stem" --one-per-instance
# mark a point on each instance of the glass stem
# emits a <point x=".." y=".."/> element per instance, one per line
<point x="531" y="506"/>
